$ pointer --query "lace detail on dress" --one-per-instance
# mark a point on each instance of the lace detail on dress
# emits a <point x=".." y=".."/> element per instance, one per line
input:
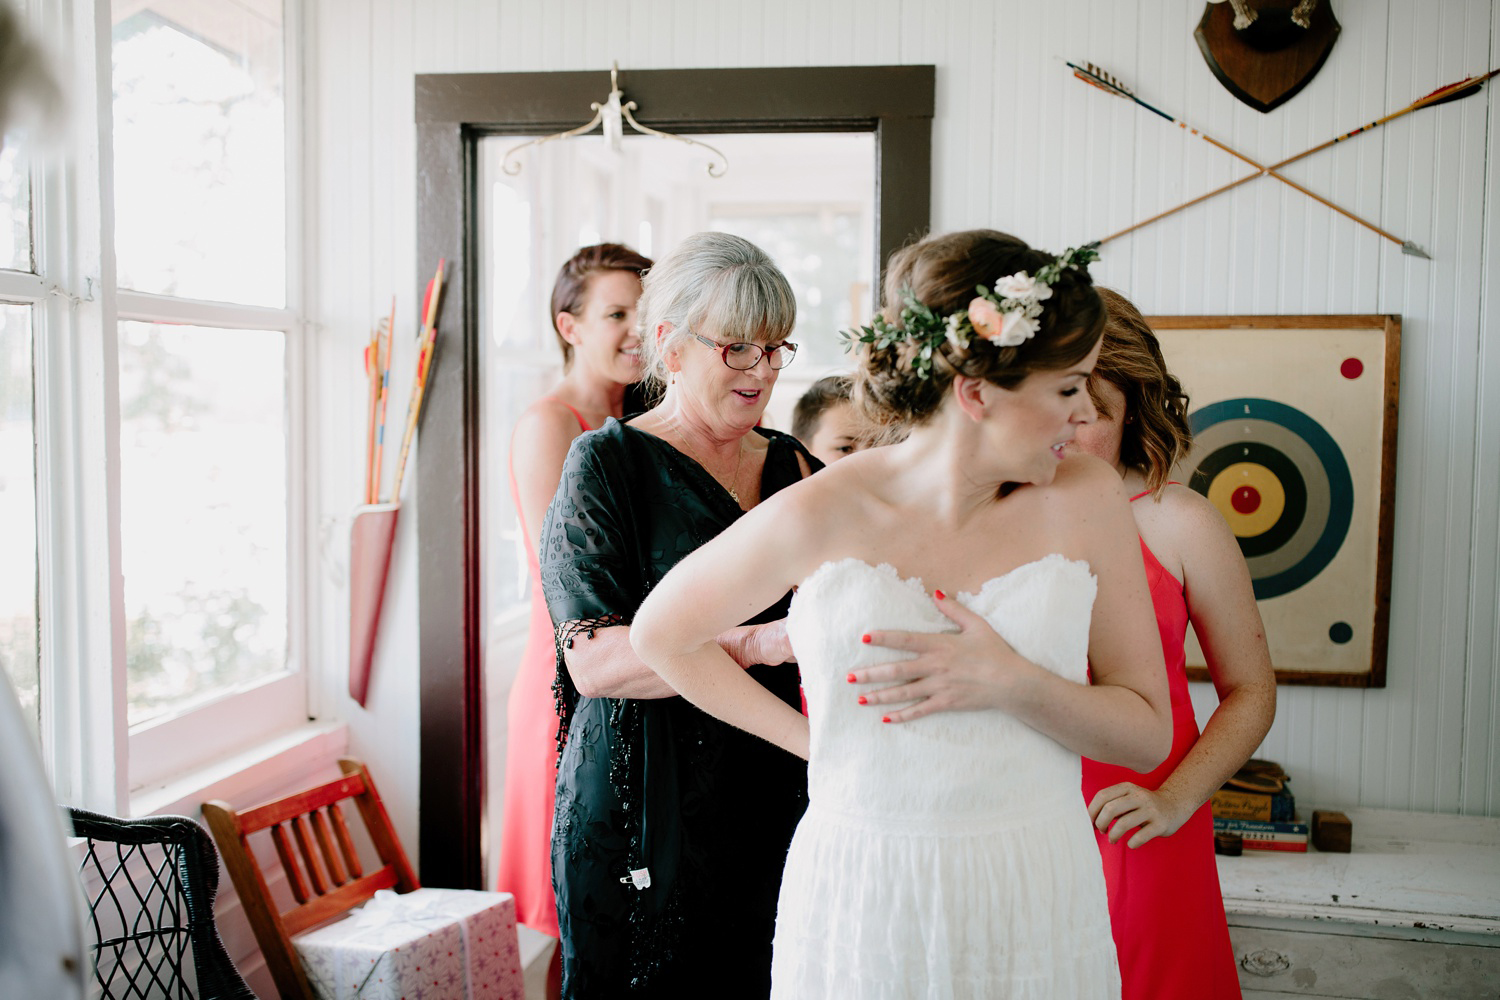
<point x="564" y="694"/>
<point x="948" y="857"/>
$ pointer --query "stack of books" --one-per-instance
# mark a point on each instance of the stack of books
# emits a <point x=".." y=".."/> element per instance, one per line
<point x="1264" y="835"/>
<point x="1257" y="804"/>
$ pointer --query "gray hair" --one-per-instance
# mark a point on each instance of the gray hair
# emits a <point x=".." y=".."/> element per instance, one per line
<point x="712" y="284"/>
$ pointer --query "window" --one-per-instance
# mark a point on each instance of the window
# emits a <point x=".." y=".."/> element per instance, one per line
<point x="202" y="513"/>
<point x="150" y="416"/>
<point x="199" y="128"/>
<point x="18" y="584"/>
<point x="15" y="196"/>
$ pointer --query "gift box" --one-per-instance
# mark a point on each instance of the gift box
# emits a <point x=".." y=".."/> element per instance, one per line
<point x="429" y="944"/>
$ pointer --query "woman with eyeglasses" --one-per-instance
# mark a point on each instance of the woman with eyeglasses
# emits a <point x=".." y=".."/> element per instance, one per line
<point x="594" y="318"/>
<point x="671" y="827"/>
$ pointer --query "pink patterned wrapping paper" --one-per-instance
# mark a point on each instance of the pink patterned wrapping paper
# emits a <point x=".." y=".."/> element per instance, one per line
<point x="430" y="944"/>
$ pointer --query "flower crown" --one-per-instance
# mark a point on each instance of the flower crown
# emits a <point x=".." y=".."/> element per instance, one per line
<point x="1006" y="315"/>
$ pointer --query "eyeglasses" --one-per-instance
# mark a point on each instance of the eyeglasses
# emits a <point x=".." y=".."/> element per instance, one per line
<point x="742" y="355"/>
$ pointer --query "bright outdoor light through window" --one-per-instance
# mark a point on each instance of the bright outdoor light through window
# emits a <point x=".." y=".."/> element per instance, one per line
<point x="199" y="149"/>
<point x="15" y="210"/>
<point x="19" y="657"/>
<point x="203" y="512"/>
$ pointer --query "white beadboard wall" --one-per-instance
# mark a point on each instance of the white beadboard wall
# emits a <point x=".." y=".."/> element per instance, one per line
<point x="1020" y="145"/>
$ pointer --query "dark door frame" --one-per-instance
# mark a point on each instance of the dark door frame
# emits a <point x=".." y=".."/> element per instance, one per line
<point x="453" y="112"/>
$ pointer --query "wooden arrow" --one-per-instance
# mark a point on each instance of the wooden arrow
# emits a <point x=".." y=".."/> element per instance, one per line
<point x="1093" y="75"/>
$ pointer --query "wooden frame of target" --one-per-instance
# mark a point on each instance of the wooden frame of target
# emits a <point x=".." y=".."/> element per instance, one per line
<point x="1294" y="425"/>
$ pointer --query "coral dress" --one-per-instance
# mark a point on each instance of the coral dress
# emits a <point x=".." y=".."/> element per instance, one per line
<point x="531" y="760"/>
<point x="1165" y="907"/>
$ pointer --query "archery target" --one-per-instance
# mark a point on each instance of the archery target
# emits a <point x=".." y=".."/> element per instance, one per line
<point x="1280" y="481"/>
<point x="1293" y="429"/>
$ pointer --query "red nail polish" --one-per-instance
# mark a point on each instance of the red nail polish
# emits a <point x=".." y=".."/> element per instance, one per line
<point x="863" y="700"/>
<point x="851" y="679"/>
<point x="865" y="638"/>
<point x="939" y="594"/>
<point x="885" y="718"/>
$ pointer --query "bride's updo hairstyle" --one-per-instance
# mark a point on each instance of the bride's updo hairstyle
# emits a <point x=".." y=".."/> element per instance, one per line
<point x="942" y="273"/>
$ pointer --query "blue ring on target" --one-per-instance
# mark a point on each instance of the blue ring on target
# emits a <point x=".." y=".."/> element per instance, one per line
<point x="1335" y="468"/>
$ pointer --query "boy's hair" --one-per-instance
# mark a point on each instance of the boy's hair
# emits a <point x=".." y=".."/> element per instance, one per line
<point x="826" y="392"/>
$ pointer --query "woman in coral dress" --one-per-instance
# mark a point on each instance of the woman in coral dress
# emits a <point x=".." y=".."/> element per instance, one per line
<point x="1154" y="830"/>
<point x="593" y="314"/>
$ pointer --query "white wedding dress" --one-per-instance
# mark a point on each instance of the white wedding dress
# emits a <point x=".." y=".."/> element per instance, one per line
<point x="949" y="858"/>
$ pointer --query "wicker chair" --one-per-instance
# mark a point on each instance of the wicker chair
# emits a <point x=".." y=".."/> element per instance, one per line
<point x="156" y="880"/>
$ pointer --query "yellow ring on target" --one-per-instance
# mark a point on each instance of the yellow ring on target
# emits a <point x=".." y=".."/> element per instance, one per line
<point x="1258" y="478"/>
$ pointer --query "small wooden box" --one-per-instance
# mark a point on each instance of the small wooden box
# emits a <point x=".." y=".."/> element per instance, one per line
<point x="1331" y="831"/>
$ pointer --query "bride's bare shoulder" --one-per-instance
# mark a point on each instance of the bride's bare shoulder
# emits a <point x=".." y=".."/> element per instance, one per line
<point x="836" y="493"/>
<point x="1084" y="478"/>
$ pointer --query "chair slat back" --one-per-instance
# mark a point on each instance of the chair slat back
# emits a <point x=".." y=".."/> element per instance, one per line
<point x="318" y="857"/>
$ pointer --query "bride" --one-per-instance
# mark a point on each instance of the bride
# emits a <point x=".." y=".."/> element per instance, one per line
<point x="957" y="593"/>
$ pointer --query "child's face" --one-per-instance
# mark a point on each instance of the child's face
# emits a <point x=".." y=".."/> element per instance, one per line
<point x="837" y="434"/>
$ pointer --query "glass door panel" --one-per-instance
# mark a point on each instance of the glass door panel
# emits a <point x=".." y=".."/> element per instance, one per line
<point x="807" y="199"/>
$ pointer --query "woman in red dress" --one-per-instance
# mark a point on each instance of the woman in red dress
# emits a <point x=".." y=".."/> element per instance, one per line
<point x="1155" y="831"/>
<point x="593" y="314"/>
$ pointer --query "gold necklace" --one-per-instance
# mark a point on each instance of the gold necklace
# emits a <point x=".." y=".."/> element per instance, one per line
<point x="733" y="493"/>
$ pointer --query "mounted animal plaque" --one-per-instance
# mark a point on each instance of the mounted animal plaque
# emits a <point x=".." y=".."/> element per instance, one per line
<point x="1265" y="51"/>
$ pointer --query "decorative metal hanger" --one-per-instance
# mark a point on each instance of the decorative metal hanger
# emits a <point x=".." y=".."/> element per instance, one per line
<point x="612" y="115"/>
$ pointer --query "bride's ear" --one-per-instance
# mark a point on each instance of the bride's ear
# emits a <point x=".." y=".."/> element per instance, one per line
<point x="968" y="393"/>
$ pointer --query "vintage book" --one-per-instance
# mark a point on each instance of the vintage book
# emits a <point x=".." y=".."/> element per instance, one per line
<point x="1266" y="836"/>
<point x="1294" y="846"/>
<point x="1289" y="828"/>
<point x="1234" y="803"/>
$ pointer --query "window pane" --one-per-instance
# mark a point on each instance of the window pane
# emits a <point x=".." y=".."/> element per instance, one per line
<point x="15" y="210"/>
<point x="202" y="512"/>
<point x="18" y="554"/>
<point x="198" y="127"/>
<point x="820" y="248"/>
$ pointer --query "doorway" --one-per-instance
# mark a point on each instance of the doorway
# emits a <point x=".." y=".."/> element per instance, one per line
<point x="806" y="198"/>
<point x="464" y="121"/>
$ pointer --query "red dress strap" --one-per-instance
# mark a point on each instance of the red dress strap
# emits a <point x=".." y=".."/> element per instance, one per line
<point x="1170" y="482"/>
<point x="581" y="422"/>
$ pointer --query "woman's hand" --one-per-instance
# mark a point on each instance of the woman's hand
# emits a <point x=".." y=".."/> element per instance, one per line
<point x="964" y="672"/>
<point x="1118" y="809"/>
<point x="750" y="645"/>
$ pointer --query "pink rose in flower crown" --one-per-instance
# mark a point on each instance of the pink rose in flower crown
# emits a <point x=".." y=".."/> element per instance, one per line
<point x="1003" y="329"/>
<point x="985" y="318"/>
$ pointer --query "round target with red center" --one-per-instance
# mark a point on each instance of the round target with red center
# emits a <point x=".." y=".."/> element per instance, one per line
<point x="1282" y="484"/>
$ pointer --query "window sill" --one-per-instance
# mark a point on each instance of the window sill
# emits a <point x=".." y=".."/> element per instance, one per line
<point x="238" y="777"/>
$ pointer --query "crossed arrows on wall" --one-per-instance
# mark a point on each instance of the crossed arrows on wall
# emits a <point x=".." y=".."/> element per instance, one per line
<point x="1091" y="74"/>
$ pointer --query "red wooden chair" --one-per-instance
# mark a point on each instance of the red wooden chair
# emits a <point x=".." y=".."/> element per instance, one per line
<point x="318" y="856"/>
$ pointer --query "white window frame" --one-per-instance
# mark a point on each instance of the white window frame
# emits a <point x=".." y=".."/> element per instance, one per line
<point x="93" y="757"/>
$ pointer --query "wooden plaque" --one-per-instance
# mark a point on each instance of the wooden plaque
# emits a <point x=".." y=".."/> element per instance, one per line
<point x="1267" y="63"/>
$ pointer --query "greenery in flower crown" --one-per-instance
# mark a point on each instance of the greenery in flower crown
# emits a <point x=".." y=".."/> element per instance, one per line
<point x="1007" y="315"/>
